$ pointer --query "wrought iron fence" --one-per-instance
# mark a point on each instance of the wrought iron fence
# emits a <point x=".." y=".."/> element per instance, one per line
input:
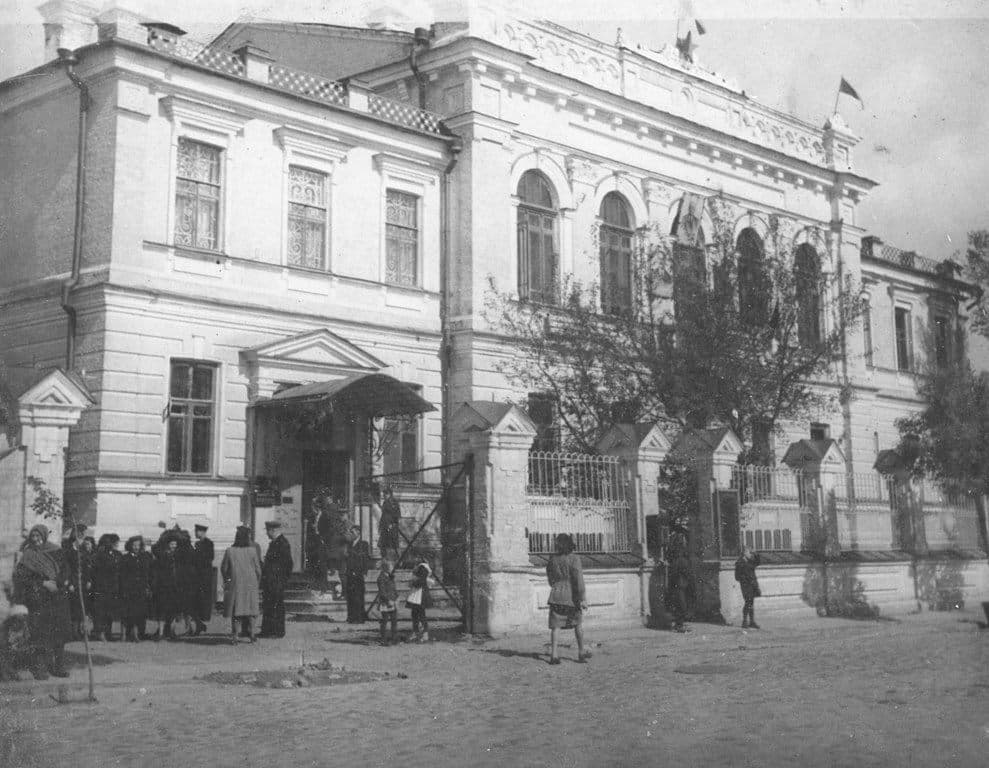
<point x="583" y="495"/>
<point x="779" y="509"/>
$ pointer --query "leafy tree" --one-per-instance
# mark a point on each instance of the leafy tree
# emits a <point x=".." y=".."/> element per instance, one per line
<point x="947" y="441"/>
<point x="713" y="327"/>
<point x="977" y="258"/>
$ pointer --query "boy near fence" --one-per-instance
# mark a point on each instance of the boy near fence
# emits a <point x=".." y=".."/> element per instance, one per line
<point x="388" y="601"/>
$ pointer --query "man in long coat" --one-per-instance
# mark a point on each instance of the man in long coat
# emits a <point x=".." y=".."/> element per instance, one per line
<point x="274" y="577"/>
<point x="203" y="552"/>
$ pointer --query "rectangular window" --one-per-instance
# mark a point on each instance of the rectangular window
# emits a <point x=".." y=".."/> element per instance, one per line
<point x="542" y="411"/>
<point x="819" y="431"/>
<point x="401" y="450"/>
<point x="867" y="335"/>
<point x="198" y="193"/>
<point x="191" y="410"/>
<point x="942" y="340"/>
<point x="401" y="238"/>
<point x="307" y="218"/>
<point x="904" y="339"/>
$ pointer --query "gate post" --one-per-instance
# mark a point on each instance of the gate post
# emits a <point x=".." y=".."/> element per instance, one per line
<point x="498" y="436"/>
<point x="642" y="447"/>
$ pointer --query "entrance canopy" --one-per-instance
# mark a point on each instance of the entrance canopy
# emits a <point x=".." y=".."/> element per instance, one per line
<point x="371" y="394"/>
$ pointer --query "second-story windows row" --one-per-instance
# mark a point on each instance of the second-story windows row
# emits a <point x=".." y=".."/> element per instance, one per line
<point x="200" y="187"/>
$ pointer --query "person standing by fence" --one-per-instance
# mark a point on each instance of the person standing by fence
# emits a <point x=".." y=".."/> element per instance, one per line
<point x="679" y="583"/>
<point x="567" y="600"/>
<point x="745" y="567"/>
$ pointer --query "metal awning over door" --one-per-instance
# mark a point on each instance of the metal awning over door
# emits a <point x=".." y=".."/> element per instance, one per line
<point x="375" y="395"/>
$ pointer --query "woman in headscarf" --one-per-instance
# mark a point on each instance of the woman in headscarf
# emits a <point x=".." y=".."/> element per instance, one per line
<point x="106" y="586"/>
<point x="41" y="584"/>
<point x="241" y="572"/>
<point x="168" y="597"/>
<point x="134" y="579"/>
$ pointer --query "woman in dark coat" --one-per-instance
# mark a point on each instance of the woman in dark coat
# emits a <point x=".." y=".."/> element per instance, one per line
<point x="188" y="578"/>
<point x="169" y="602"/>
<point x="134" y="589"/>
<point x="41" y="584"/>
<point x="358" y="561"/>
<point x="745" y="576"/>
<point x="79" y="559"/>
<point x="105" y="578"/>
<point x="567" y="598"/>
<point x="391" y="516"/>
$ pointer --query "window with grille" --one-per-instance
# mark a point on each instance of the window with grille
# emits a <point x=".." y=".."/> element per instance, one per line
<point x="307" y="218"/>
<point x="616" y="255"/>
<point x="807" y="274"/>
<point x="401" y="454"/>
<point x="904" y="339"/>
<point x="198" y="193"/>
<point x="191" y="411"/>
<point x="537" y="266"/>
<point x="401" y="238"/>
<point x="754" y="286"/>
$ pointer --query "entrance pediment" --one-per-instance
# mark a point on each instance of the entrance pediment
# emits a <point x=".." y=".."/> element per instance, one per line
<point x="319" y="355"/>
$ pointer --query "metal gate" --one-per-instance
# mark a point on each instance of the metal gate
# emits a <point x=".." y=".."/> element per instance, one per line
<point x="453" y="509"/>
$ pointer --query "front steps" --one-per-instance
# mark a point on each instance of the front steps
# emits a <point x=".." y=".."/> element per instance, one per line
<point x="307" y="604"/>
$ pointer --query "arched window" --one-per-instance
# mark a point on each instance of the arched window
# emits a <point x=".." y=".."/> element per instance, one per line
<point x="689" y="271"/>
<point x="807" y="284"/>
<point x="754" y="286"/>
<point x="537" y="238"/>
<point x="616" y="255"/>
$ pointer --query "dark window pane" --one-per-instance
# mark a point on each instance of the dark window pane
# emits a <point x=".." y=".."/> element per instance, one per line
<point x="176" y="442"/>
<point x="180" y="380"/>
<point x="202" y="383"/>
<point x="902" y="322"/>
<point x="202" y="441"/>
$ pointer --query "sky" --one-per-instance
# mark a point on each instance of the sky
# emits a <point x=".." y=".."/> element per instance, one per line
<point x="921" y="68"/>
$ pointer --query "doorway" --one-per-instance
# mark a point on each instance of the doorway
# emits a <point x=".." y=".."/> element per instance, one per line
<point x="322" y="470"/>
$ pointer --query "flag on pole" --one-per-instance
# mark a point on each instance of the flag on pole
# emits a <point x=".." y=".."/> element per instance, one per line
<point x="700" y="27"/>
<point x="846" y="88"/>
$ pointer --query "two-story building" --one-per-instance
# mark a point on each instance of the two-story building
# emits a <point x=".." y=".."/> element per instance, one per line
<point x="315" y="205"/>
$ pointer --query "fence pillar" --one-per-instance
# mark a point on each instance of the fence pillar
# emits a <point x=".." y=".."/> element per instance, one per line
<point x="822" y="464"/>
<point x="499" y="436"/>
<point x="711" y="453"/>
<point x="45" y="413"/>
<point x="643" y="448"/>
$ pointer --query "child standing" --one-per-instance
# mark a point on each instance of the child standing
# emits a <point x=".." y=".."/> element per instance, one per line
<point x="419" y="600"/>
<point x="388" y="600"/>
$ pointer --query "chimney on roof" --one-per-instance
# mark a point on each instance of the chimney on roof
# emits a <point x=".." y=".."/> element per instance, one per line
<point x="161" y="34"/>
<point x="68" y="24"/>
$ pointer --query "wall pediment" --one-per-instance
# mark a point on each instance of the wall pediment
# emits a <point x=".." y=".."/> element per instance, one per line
<point x="315" y="356"/>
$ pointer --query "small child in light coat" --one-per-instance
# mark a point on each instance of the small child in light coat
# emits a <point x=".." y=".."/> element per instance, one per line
<point x="419" y="600"/>
<point x="388" y="601"/>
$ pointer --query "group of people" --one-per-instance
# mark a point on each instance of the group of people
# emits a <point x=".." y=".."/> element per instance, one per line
<point x="172" y="581"/>
<point x="335" y="549"/>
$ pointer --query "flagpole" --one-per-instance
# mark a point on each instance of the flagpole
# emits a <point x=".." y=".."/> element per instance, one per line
<point x="836" y="97"/>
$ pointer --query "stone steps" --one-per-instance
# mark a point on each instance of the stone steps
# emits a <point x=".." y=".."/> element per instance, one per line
<point x="302" y="599"/>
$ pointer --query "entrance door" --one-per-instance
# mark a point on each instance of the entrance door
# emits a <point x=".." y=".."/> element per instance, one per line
<point x="329" y="470"/>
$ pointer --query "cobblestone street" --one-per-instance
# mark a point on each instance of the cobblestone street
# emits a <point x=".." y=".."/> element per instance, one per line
<point x="818" y="693"/>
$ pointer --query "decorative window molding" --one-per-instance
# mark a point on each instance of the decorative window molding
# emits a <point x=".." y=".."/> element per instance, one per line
<point x="209" y="124"/>
<point x="403" y="177"/>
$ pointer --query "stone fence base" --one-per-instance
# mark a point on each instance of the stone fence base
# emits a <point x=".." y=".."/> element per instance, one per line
<point x="514" y="600"/>
<point x="859" y="589"/>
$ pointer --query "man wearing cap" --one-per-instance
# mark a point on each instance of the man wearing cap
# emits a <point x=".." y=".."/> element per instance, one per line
<point x="274" y="577"/>
<point x="202" y="559"/>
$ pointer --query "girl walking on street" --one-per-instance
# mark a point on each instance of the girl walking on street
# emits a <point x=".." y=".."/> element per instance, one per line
<point x="419" y="600"/>
<point x="745" y="576"/>
<point x="567" y="600"/>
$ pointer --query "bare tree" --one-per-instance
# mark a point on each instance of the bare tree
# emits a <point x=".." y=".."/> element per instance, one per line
<point x="743" y="329"/>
